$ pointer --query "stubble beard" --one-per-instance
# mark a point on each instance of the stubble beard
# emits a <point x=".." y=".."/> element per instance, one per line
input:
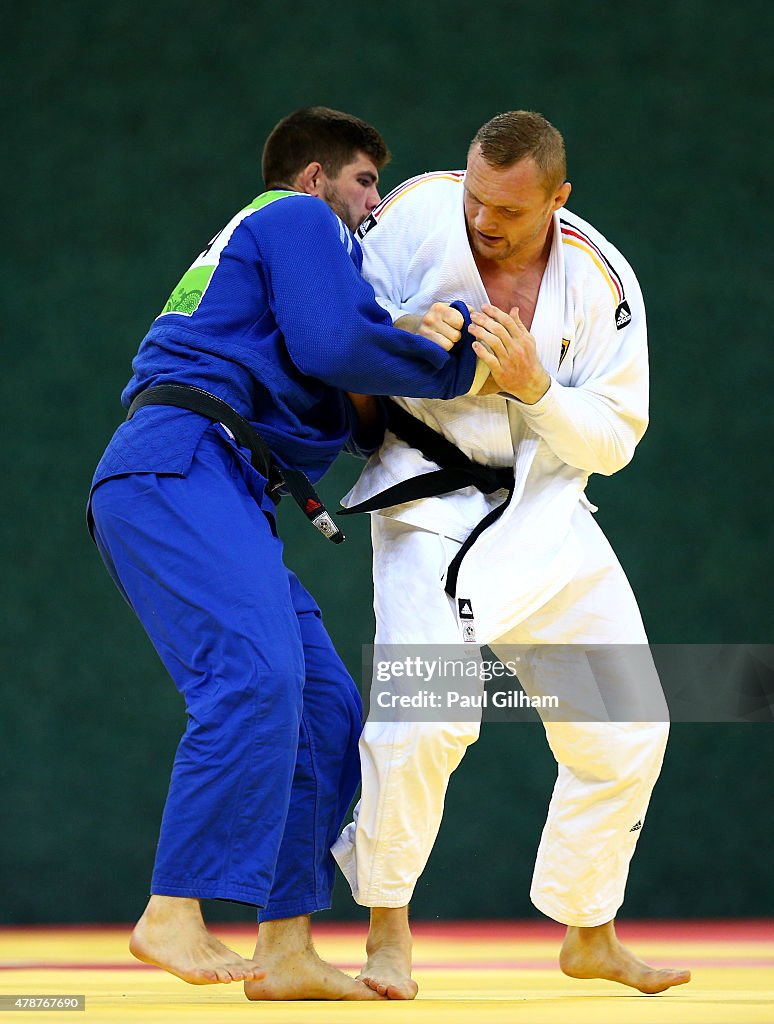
<point x="507" y="252"/>
<point x="332" y="197"/>
<point x="495" y="255"/>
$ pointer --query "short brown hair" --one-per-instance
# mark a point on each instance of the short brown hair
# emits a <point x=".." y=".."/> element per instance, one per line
<point x="517" y="134"/>
<point x="330" y="137"/>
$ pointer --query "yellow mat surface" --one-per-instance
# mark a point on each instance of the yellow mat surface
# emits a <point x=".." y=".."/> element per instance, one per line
<point x="478" y="973"/>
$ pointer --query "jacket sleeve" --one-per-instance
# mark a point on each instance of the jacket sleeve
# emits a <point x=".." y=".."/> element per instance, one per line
<point x="595" y="422"/>
<point x="333" y="327"/>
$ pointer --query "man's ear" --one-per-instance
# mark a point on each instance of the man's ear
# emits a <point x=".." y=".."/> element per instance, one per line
<point x="310" y="180"/>
<point x="562" y="195"/>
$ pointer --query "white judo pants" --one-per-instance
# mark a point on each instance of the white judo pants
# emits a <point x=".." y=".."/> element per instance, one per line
<point x="606" y="769"/>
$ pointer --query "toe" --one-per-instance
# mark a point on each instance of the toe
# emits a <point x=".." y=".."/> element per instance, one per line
<point x="405" y="991"/>
<point x="679" y="977"/>
<point x="660" y="981"/>
<point x="204" y="977"/>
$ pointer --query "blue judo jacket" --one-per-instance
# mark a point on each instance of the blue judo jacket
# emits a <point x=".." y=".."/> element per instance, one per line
<point x="275" y="318"/>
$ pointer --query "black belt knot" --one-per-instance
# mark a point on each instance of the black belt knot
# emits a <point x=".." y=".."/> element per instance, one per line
<point x="457" y="471"/>
<point x="296" y="483"/>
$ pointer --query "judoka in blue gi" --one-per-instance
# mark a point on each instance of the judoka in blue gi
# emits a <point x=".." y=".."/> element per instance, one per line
<point x="274" y="319"/>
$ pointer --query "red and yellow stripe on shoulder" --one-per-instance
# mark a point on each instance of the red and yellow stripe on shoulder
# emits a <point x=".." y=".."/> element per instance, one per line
<point x="573" y="236"/>
<point x="403" y="190"/>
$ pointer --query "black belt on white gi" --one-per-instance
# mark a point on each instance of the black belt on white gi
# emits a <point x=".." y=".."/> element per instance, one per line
<point x="296" y="483"/>
<point x="457" y="471"/>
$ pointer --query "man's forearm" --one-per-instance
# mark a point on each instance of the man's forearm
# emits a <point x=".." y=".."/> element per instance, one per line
<point x="367" y="409"/>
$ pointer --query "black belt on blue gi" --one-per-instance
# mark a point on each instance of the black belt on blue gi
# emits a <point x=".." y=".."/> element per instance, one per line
<point x="456" y="471"/>
<point x="296" y="483"/>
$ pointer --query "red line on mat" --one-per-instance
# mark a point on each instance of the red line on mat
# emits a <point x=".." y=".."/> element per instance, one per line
<point x="438" y="965"/>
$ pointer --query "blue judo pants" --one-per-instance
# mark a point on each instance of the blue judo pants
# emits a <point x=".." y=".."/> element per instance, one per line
<point x="268" y="763"/>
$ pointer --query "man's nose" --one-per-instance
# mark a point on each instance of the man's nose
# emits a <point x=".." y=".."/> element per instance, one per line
<point x="485" y="221"/>
<point x="372" y="199"/>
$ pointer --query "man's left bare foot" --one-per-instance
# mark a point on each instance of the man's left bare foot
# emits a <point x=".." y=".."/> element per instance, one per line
<point x="597" y="953"/>
<point x="388" y="947"/>
<point x="388" y="972"/>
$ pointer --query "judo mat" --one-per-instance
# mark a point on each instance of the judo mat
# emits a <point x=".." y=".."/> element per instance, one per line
<point x="480" y="973"/>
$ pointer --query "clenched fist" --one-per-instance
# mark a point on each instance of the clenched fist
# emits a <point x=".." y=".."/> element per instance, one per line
<point x="441" y="324"/>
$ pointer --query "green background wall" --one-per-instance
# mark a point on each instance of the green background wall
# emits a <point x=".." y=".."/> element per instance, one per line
<point x="132" y="133"/>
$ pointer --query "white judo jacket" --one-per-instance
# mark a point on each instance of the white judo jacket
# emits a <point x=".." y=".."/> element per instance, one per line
<point x="589" y="326"/>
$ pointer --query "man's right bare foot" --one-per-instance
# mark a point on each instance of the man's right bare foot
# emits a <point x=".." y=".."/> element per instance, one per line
<point x="171" y="934"/>
<point x="388" y="947"/>
<point x="295" y="971"/>
<point x="304" y="975"/>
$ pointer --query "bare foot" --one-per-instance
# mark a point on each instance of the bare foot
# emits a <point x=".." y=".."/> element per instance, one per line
<point x="388" y="972"/>
<point x="171" y="934"/>
<point x="597" y="953"/>
<point x="389" y="944"/>
<point x="304" y="975"/>
<point x="295" y="971"/>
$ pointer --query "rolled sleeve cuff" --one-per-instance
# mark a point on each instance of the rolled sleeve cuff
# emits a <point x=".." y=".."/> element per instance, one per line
<point x="542" y="409"/>
<point x="479" y="379"/>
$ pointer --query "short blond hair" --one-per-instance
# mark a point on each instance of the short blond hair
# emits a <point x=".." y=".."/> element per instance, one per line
<point x="517" y="134"/>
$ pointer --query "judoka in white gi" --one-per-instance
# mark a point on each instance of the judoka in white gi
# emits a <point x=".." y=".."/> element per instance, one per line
<point x="560" y="323"/>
